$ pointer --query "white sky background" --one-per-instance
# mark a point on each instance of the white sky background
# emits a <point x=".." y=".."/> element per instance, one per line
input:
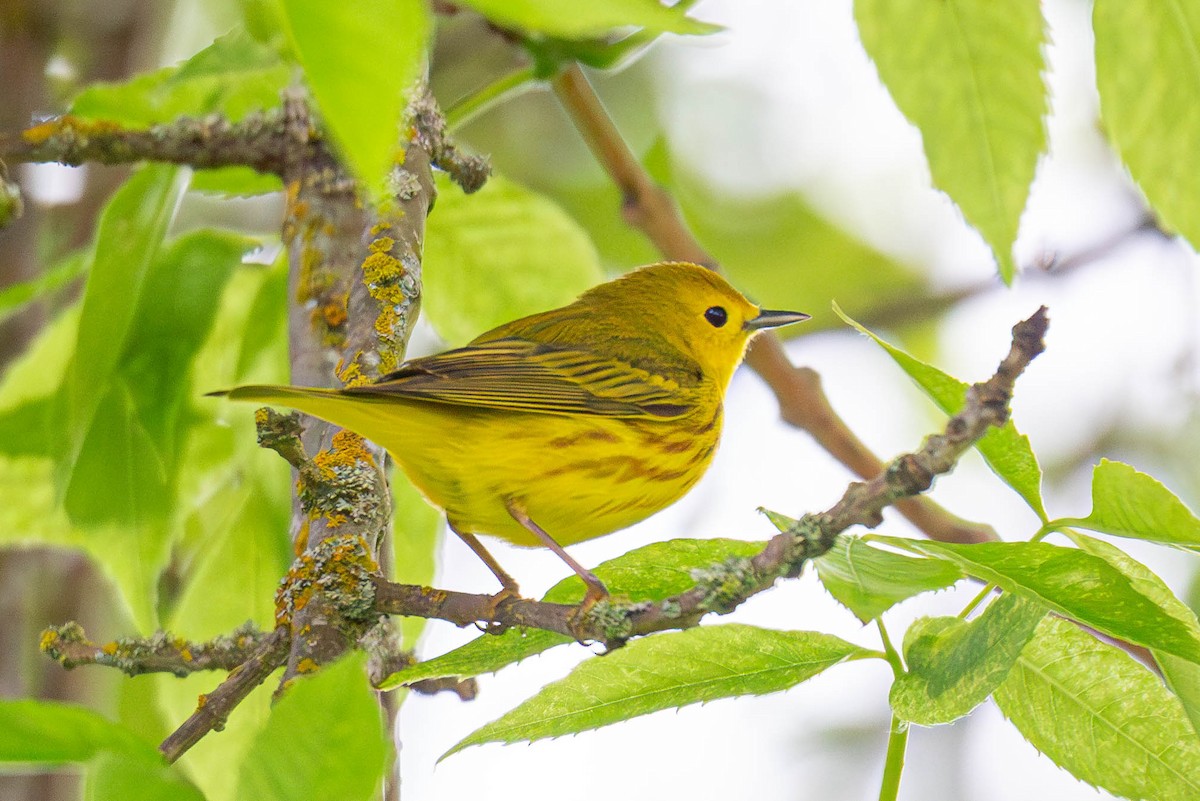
<point x="808" y="112"/>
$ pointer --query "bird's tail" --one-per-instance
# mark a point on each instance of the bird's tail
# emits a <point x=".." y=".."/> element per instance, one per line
<point x="356" y="412"/>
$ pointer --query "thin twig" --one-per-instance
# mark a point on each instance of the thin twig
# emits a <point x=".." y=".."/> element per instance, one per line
<point x="159" y="653"/>
<point x="213" y="709"/>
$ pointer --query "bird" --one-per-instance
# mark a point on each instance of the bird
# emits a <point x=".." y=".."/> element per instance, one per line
<point x="565" y="425"/>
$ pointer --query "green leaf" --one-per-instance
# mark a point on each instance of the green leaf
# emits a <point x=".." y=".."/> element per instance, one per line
<point x="1099" y="714"/>
<point x="968" y="74"/>
<point x="1182" y="676"/>
<point x="361" y="60"/>
<point x="1074" y="583"/>
<point x="49" y="732"/>
<point x="572" y="20"/>
<point x="869" y="581"/>
<point x="953" y="665"/>
<point x="1006" y="450"/>
<point x="1148" y="74"/>
<point x="128" y="238"/>
<point x="651" y="573"/>
<point x="242" y="526"/>
<point x="324" y="741"/>
<point x="235" y="182"/>
<point x="1132" y="504"/>
<point x="233" y="77"/>
<point x="116" y="776"/>
<point x="15" y="297"/>
<point x="53" y="733"/>
<point x="502" y="253"/>
<point x="666" y="671"/>
<point x="126" y="467"/>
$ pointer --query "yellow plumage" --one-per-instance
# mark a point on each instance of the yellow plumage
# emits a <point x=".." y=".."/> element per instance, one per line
<point x="572" y="423"/>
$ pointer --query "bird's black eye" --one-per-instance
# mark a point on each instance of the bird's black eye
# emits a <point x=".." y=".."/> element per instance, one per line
<point x="716" y="315"/>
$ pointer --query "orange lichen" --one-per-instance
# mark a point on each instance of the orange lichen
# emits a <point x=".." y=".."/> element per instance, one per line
<point x="351" y="374"/>
<point x="333" y="311"/>
<point x="48" y="640"/>
<point x="201" y="701"/>
<point x="380" y="268"/>
<point x="346" y="450"/>
<point x="381" y="244"/>
<point x="307" y="665"/>
<point x="68" y="125"/>
<point x="109" y="648"/>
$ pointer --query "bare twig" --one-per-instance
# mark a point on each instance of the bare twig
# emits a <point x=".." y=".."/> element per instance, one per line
<point x="802" y="403"/>
<point x="213" y="709"/>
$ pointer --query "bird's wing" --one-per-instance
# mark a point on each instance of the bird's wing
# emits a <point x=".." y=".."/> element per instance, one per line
<point x="514" y="373"/>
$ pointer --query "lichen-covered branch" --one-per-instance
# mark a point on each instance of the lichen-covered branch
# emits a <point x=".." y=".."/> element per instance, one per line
<point x="159" y="653"/>
<point x="212" y="710"/>
<point x="277" y="141"/>
<point x="256" y="141"/>
<point x="802" y="403"/>
<point x="354" y="282"/>
<point x="722" y="587"/>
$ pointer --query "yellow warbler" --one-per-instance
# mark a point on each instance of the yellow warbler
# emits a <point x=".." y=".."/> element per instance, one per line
<point x="565" y="425"/>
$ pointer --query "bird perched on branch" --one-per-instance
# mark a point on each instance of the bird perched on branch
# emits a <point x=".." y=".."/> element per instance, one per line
<point x="565" y="425"/>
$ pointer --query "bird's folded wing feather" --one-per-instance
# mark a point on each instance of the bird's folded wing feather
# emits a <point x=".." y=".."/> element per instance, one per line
<point x="514" y="373"/>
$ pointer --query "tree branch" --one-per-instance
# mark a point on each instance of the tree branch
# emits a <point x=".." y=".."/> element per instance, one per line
<point x="802" y="403"/>
<point x="256" y="141"/>
<point x="159" y="653"/>
<point x="213" y="710"/>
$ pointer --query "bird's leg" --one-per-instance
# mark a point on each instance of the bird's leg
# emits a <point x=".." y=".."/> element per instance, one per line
<point x="507" y="582"/>
<point x="596" y="591"/>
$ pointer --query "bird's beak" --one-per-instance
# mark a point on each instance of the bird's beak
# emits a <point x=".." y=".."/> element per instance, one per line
<point x="772" y="319"/>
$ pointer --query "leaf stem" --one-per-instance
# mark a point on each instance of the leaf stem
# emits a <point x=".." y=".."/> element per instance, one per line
<point x="479" y="101"/>
<point x="889" y="650"/>
<point x="893" y="763"/>
<point x="976" y="601"/>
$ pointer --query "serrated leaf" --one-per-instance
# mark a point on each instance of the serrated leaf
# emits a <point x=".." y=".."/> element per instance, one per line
<point x="571" y="20"/>
<point x="1006" y="450"/>
<point x="651" y="573"/>
<point x="361" y="60"/>
<point x="666" y="671"/>
<point x="1128" y="503"/>
<point x="233" y="76"/>
<point x="323" y="742"/>
<point x="954" y="665"/>
<point x="1074" y="583"/>
<point x="1148" y="74"/>
<point x="500" y="254"/>
<point x="968" y="74"/>
<point x="1181" y="675"/>
<point x="868" y="581"/>
<point x="1099" y="714"/>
